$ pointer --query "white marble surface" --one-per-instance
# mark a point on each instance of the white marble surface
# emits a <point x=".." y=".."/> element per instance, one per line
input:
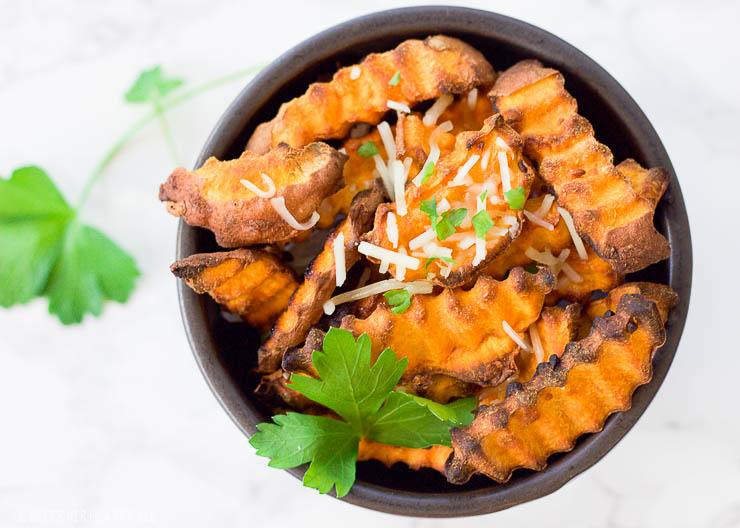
<point x="110" y="424"/>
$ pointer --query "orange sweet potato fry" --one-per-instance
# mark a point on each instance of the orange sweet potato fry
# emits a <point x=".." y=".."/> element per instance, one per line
<point x="548" y="413"/>
<point x="306" y="305"/>
<point x="214" y="197"/>
<point x="429" y="68"/>
<point x="606" y="210"/>
<point x="441" y="187"/>
<point x="663" y="296"/>
<point x="458" y="333"/>
<point x="251" y="283"/>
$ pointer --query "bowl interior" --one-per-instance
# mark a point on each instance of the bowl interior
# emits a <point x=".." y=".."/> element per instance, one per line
<point x="226" y="351"/>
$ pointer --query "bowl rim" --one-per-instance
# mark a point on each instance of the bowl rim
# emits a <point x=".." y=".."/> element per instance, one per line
<point x="554" y="52"/>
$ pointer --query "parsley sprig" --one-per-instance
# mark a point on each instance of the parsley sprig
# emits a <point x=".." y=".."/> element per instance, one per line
<point x="362" y="395"/>
<point x="444" y="225"/>
<point x="46" y="251"/>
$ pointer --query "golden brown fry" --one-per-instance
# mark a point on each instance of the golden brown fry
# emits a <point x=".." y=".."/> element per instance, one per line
<point x="663" y="296"/>
<point x="306" y="305"/>
<point x="432" y="457"/>
<point x="464" y="117"/>
<point x="595" y="273"/>
<point x="274" y="390"/>
<point x="358" y="176"/>
<point x="428" y="69"/>
<point x="556" y="327"/>
<point x="458" y="333"/>
<point x="607" y="212"/>
<point x="213" y="196"/>
<point x="566" y="398"/>
<point x="506" y="221"/>
<point x="251" y="283"/>
<point x="437" y="387"/>
<point x="650" y="184"/>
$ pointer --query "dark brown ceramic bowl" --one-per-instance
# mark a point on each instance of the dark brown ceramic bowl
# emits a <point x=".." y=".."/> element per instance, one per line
<point x="225" y="351"/>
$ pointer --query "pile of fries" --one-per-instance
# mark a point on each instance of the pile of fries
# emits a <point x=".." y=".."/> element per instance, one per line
<point x="484" y="201"/>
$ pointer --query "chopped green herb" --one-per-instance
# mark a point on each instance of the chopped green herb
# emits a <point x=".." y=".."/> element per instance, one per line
<point x="362" y="394"/>
<point x="367" y="149"/>
<point x="445" y="225"/>
<point x="482" y="224"/>
<point x="428" y="172"/>
<point x="400" y="300"/>
<point x="431" y="259"/>
<point x="516" y="197"/>
<point x="482" y="196"/>
<point x="395" y="79"/>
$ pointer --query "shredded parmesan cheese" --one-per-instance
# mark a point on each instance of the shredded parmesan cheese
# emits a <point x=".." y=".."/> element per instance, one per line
<point x="572" y="275"/>
<point x="419" y="241"/>
<point x="480" y="251"/>
<point x="501" y="143"/>
<point x="386" y="135"/>
<point x="392" y="257"/>
<point x="577" y="242"/>
<point x="414" y="288"/>
<point x="399" y="184"/>
<point x="433" y="250"/>
<point x="391" y="228"/>
<point x="279" y="205"/>
<point x="269" y="193"/>
<point x="395" y="105"/>
<point x="464" y="170"/>
<point x="472" y="98"/>
<point x="400" y="270"/>
<point x="339" y="262"/>
<point x="545" y="207"/>
<point x="484" y="159"/>
<point x="433" y="149"/>
<point x="384" y="174"/>
<point x="343" y="150"/>
<point x="355" y="72"/>
<point x="443" y="206"/>
<point x="537" y="220"/>
<point x="466" y="242"/>
<point x="534" y="336"/>
<point x="514" y="336"/>
<point x="505" y="174"/>
<point x="383" y="268"/>
<point x="436" y="110"/>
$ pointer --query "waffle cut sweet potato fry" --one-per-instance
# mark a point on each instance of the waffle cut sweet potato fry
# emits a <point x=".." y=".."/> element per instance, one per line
<point x="414" y="71"/>
<point x="359" y="174"/>
<point x="458" y="333"/>
<point x="214" y="196"/>
<point x="251" y="283"/>
<point x="549" y="243"/>
<point x="472" y="179"/>
<point x="663" y="296"/>
<point x="567" y="397"/>
<point x="306" y="305"/>
<point x="606" y="210"/>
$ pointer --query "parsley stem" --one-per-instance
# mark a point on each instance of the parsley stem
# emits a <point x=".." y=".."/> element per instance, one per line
<point x="166" y="130"/>
<point x="147" y="118"/>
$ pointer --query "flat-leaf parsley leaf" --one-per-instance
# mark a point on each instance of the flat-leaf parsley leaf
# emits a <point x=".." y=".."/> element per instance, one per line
<point x="362" y="394"/>
<point x="46" y="251"/>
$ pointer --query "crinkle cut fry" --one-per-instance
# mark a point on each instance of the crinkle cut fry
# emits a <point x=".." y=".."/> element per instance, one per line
<point x="428" y="69"/>
<point x="567" y="397"/>
<point x="595" y="273"/>
<point x="358" y="176"/>
<point x="607" y="212"/>
<point x="664" y="297"/>
<point x="251" y="283"/>
<point x="306" y="305"/>
<point x="416" y="222"/>
<point x="459" y="333"/>
<point x="556" y="327"/>
<point x="214" y="197"/>
<point x="432" y="457"/>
